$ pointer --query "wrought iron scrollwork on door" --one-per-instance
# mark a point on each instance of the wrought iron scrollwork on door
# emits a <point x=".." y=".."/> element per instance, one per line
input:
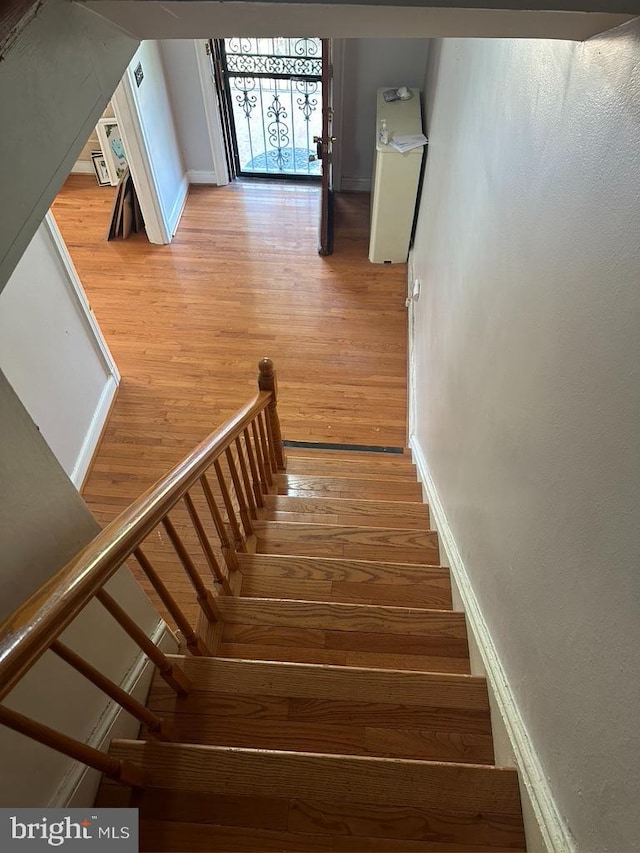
<point x="274" y="86"/>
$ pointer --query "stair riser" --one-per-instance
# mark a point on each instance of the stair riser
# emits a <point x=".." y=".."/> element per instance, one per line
<point x="328" y="778"/>
<point x="387" y="520"/>
<point x="436" y="594"/>
<point x="233" y="677"/>
<point x="373" y="470"/>
<point x="302" y="486"/>
<point x="383" y="741"/>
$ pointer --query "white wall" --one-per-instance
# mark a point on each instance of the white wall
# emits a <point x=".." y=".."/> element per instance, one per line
<point x="183" y="81"/>
<point x="64" y="49"/>
<point x="367" y="65"/>
<point x="43" y="523"/>
<point x="148" y="110"/>
<point x="53" y="355"/>
<point x="528" y="389"/>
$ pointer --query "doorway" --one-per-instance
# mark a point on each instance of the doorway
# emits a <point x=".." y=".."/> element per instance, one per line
<point x="271" y="96"/>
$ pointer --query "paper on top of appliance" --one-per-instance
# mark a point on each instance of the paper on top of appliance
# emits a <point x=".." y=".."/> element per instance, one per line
<point x="409" y="141"/>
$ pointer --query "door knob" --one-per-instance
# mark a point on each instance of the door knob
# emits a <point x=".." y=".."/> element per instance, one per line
<point x="312" y="157"/>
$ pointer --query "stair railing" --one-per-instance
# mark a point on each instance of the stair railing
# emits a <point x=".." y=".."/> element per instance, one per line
<point x="249" y="445"/>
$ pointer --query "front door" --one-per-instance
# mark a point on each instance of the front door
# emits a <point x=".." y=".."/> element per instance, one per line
<point x="272" y="101"/>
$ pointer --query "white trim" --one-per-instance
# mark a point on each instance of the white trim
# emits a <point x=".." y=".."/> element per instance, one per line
<point x="136" y="145"/>
<point x="178" y="207"/>
<point x="91" y="439"/>
<point x="355" y="185"/>
<point x="80" y="784"/>
<point x="201" y="176"/>
<point x="100" y="347"/>
<point x="107" y="152"/>
<point x="554" y="833"/>
<point x="80" y="297"/>
<point x="83" y="167"/>
<point x="211" y="111"/>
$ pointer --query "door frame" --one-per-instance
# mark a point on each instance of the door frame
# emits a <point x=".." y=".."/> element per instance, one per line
<point x="212" y="107"/>
<point x="214" y="119"/>
<point x="136" y="145"/>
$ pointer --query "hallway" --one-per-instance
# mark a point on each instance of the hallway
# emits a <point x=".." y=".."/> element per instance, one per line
<point x="188" y="323"/>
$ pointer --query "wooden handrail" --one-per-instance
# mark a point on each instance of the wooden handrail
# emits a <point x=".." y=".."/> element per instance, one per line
<point x="31" y="629"/>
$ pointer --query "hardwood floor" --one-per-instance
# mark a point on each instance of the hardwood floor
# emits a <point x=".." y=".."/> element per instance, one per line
<point x="187" y="324"/>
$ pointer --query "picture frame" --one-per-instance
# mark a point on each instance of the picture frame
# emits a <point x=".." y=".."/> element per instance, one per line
<point x="112" y="149"/>
<point x="100" y="168"/>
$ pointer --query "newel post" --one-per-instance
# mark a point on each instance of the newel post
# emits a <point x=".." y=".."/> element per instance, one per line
<point x="267" y="382"/>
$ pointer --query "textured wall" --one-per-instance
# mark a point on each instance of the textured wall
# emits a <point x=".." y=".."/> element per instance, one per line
<point x="528" y="388"/>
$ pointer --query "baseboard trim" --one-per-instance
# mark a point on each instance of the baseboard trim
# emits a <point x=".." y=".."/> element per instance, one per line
<point x="181" y="199"/>
<point x="83" y="167"/>
<point x="355" y="185"/>
<point x="94" y="433"/>
<point x="201" y="176"/>
<point x="79" y="787"/>
<point x="549" y="829"/>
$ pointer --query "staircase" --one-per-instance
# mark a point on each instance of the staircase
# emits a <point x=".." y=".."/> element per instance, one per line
<point x="336" y="712"/>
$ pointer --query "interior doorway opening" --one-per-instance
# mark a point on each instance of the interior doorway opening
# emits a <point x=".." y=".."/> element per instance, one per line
<point x="271" y="96"/>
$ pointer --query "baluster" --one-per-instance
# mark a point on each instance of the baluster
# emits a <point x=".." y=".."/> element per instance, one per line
<point x="228" y="549"/>
<point x="245" y="479"/>
<point x="253" y="465"/>
<point x="171" y="672"/>
<point x="194" y="643"/>
<point x="113" y="768"/>
<point x="205" y="598"/>
<point x="216" y="571"/>
<point x="267" y="381"/>
<point x="265" y="450"/>
<point x="237" y="486"/>
<point x="264" y="484"/>
<point x="270" y="442"/>
<point x="162" y="729"/>
<point x="231" y="513"/>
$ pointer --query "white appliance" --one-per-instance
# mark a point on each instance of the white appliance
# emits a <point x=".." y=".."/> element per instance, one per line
<point x="395" y="180"/>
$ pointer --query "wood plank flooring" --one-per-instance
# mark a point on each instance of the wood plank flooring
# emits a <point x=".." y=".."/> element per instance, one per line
<point x="187" y="324"/>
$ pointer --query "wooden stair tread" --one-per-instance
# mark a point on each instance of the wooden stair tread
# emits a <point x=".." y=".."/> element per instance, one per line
<point x="244" y="772"/>
<point x="330" y="709"/>
<point x="331" y="616"/>
<point x="164" y="835"/>
<point x="348" y="581"/>
<point x="376" y="468"/>
<point x="382" y="741"/>
<point x="431" y="593"/>
<point x="289" y="645"/>
<point x="383" y="825"/>
<point x="347" y="519"/>
<point x="347" y="511"/>
<point x="311" y="681"/>
<point x="326" y="540"/>
<point x="349" y="455"/>
<point x="344" y="634"/>
<point x="301" y="485"/>
<point x="340" y="570"/>
<point x="338" y="713"/>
